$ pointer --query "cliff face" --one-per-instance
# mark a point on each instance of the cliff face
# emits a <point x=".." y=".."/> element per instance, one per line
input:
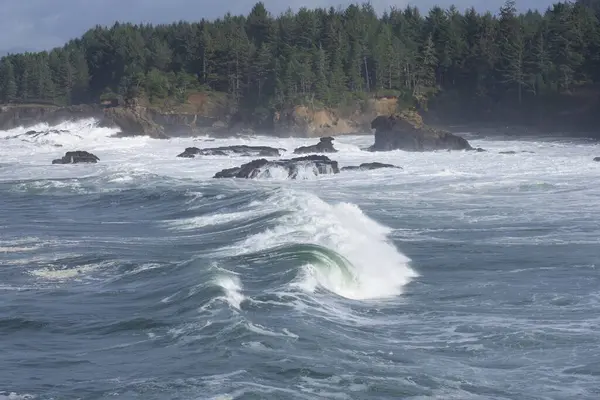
<point x="133" y="119"/>
<point x="318" y="122"/>
<point x="13" y="116"/>
<point x="201" y="114"/>
<point x="302" y="121"/>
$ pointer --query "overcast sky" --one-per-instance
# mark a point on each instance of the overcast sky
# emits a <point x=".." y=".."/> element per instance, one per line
<point x="43" y="24"/>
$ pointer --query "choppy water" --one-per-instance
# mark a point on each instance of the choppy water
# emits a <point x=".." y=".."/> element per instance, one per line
<point x="463" y="276"/>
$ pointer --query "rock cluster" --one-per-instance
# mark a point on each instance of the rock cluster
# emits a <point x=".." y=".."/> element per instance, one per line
<point x="295" y="167"/>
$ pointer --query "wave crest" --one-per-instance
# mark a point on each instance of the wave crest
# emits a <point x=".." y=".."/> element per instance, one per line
<point x="339" y="248"/>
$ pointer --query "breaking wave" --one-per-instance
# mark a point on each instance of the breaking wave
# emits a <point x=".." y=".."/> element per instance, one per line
<point x="338" y="247"/>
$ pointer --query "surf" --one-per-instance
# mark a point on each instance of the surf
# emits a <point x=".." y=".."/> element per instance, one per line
<point x="336" y="247"/>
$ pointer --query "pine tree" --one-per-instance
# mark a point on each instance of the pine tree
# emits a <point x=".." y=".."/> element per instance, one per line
<point x="81" y="79"/>
<point x="258" y="25"/>
<point x="512" y="48"/>
<point x="9" y="83"/>
<point x="66" y="78"/>
<point x="320" y="72"/>
<point x="425" y="76"/>
<point x="23" y="92"/>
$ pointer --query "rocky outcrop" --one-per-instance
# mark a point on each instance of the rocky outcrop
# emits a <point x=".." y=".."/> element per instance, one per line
<point x="325" y="145"/>
<point x="369" y="166"/>
<point x="77" y="157"/>
<point x="597" y="159"/>
<point x="296" y="168"/>
<point x="407" y="132"/>
<point x="244" y="151"/>
<point x="133" y="121"/>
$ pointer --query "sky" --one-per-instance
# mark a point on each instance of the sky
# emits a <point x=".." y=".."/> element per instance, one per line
<point x="33" y="25"/>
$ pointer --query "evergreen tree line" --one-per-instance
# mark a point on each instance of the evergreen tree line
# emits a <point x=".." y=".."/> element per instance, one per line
<point x="321" y="56"/>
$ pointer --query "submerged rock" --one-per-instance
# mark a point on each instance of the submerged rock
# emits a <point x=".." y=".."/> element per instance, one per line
<point x="407" y="132"/>
<point x="44" y="133"/>
<point x="369" y="166"/>
<point x="77" y="157"/>
<point x="514" y="152"/>
<point x="325" y="145"/>
<point x="38" y="134"/>
<point x="246" y="151"/>
<point x="597" y="159"/>
<point x="294" y="168"/>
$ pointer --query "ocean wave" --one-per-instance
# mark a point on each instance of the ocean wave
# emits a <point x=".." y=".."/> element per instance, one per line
<point x="337" y="247"/>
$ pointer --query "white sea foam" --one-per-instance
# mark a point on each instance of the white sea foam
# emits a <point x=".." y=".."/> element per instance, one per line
<point x="15" y="396"/>
<point x="232" y="286"/>
<point x="17" y="249"/>
<point x="209" y="220"/>
<point x="59" y="273"/>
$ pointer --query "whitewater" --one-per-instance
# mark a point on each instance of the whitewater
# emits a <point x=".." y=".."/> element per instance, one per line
<point x="464" y="275"/>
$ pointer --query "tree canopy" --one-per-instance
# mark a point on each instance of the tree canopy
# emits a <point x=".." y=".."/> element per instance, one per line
<point x="321" y="56"/>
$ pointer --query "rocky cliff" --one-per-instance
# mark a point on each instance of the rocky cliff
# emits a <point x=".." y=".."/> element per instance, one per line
<point x="132" y="119"/>
<point x="12" y="116"/>
<point x="202" y="114"/>
<point x="318" y="122"/>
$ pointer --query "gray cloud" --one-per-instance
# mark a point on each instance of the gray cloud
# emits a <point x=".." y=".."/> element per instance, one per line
<point x="43" y="24"/>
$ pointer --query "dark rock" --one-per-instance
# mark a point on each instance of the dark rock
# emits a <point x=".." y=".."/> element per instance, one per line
<point x="401" y="132"/>
<point x="325" y="145"/>
<point x="319" y="164"/>
<point x="36" y="134"/>
<point x="597" y="159"/>
<point x="245" y="151"/>
<point x="478" y="150"/>
<point x="77" y="157"/>
<point x="369" y="166"/>
<point x="508" y="152"/>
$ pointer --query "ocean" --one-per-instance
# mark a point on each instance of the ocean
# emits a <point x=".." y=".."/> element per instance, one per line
<point x="464" y="275"/>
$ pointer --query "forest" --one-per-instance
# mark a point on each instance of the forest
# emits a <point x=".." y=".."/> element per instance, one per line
<point x="322" y="57"/>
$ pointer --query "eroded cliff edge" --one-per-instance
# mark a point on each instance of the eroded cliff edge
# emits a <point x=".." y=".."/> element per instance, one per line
<point x="203" y="115"/>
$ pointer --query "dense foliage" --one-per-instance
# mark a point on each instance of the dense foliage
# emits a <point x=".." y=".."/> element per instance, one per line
<point x="322" y="56"/>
